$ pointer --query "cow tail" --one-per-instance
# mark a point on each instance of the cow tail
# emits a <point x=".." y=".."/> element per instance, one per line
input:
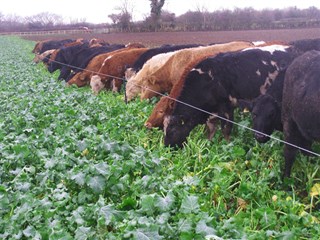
<point x="125" y="90"/>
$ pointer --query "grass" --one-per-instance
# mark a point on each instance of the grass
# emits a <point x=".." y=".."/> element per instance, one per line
<point x="78" y="166"/>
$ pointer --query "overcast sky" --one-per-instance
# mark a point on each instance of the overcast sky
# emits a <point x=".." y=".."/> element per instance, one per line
<point x="97" y="11"/>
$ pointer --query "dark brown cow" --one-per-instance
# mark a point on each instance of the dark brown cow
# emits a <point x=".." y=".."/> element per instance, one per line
<point x="37" y="48"/>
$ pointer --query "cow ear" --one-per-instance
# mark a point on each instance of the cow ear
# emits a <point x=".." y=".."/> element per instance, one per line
<point x="245" y="105"/>
<point x="171" y="103"/>
<point x="152" y="80"/>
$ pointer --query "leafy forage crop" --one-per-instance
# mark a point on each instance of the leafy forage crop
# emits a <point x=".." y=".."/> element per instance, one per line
<point x="78" y="166"/>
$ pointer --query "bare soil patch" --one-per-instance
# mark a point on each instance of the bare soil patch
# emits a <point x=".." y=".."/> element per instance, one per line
<point x="151" y="39"/>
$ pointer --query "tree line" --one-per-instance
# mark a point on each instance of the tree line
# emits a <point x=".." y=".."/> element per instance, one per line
<point x="162" y="20"/>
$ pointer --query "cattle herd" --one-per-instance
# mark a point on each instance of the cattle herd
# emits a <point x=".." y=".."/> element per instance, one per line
<point x="278" y="82"/>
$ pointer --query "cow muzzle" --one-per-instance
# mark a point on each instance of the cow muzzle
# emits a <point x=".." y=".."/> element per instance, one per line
<point x="261" y="138"/>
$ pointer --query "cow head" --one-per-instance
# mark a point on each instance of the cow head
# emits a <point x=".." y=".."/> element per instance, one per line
<point x="116" y="84"/>
<point x="266" y="116"/>
<point x="162" y="108"/>
<point x="132" y="89"/>
<point x="78" y="79"/>
<point x="96" y="84"/>
<point x="129" y="73"/>
<point x="176" y="129"/>
<point x="201" y="91"/>
<point x="36" y="48"/>
<point x="55" y="60"/>
<point x="150" y="89"/>
<point x="37" y="58"/>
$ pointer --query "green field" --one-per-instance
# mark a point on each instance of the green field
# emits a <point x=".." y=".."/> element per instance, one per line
<point x="78" y="166"/>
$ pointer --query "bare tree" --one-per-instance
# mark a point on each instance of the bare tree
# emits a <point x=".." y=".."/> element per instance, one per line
<point x="43" y="20"/>
<point x="156" y="6"/>
<point x="124" y="18"/>
<point x="205" y="14"/>
<point x="114" y="18"/>
<point x="11" y="23"/>
<point x="168" y="20"/>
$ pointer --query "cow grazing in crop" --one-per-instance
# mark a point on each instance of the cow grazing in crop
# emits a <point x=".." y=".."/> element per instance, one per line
<point x="152" y="65"/>
<point x="76" y="58"/>
<point x="51" y="44"/>
<point x="83" y="78"/>
<point x="64" y="55"/>
<point x="54" y="54"/>
<point x="43" y="56"/>
<point x="163" y="108"/>
<point x="96" y="84"/>
<point x="113" y="68"/>
<point x="266" y="108"/>
<point x="38" y="46"/>
<point x="131" y="71"/>
<point x="300" y="110"/>
<point x="82" y="58"/>
<point x="216" y="84"/>
<point x="151" y="81"/>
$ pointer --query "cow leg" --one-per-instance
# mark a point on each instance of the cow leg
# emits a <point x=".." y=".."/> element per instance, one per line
<point x="227" y="126"/>
<point x="64" y="73"/>
<point x="306" y="145"/>
<point x="116" y="85"/>
<point x="108" y="84"/>
<point x="289" y="155"/>
<point x="211" y="126"/>
<point x="293" y="136"/>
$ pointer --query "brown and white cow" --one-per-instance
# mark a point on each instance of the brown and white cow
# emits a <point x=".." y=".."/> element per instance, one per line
<point x="83" y="78"/>
<point x="113" y="69"/>
<point x="170" y="69"/>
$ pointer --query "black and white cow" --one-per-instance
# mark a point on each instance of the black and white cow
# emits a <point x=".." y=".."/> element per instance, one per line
<point x="300" y="109"/>
<point x="218" y="82"/>
<point x="266" y="109"/>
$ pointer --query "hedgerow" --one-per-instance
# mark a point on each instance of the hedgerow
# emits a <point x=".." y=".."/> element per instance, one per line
<point x="78" y="166"/>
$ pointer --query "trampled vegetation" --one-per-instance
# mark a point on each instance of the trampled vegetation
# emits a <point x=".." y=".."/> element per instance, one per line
<point x="78" y="166"/>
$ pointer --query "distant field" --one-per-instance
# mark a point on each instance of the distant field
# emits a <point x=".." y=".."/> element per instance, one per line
<point x="158" y="38"/>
